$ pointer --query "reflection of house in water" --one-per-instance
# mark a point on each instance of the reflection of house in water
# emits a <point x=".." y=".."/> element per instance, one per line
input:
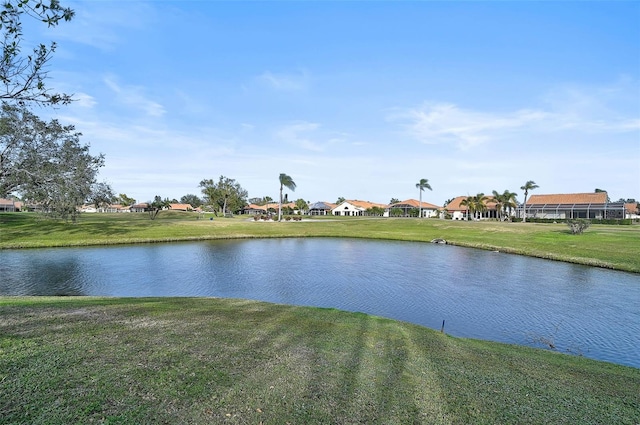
<point x="574" y="205"/>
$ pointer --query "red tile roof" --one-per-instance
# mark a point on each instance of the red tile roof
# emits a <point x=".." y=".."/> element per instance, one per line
<point x="181" y="207"/>
<point x="365" y="204"/>
<point x="416" y="204"/>
<point x="454" y="205"/>
<point x="569" y="198"/>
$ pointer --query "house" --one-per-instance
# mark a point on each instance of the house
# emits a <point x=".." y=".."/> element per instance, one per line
<point x="459" y="211"/>
<point x="632" y="210"/>
<point x="88" y="209"/>
<point x="254" y="209"/>
<point x="428" y="210"/>
<point x="321" y="208"/>
<point x="142" y="207"/>
<point x="114" y="208"/>
<point x="180" y="207"/>
<point x="10" y="205"/>
<point x="356" y="208"/>
<point x="592" y="205"/>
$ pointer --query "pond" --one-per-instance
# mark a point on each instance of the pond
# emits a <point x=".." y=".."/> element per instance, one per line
<point x="478" y="294"/>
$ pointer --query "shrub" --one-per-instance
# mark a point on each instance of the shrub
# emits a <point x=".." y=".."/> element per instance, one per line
<point x="578" y="226"/>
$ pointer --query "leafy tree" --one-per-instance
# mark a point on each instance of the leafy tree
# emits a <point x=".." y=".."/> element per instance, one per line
<point x="192" y="200"/>
<point x="22" y="76"/>
<point x="340" y="200"/>
<point x="224" y="195"/>
<point x="421" y="186"/>
<point x="528" y="186"/>
<point x="447" y="202"/>
<point x="302" y="205"/>
<point x="394" y="201"/>
<point x="124" y="200"/>
<point x="101" y="195"/>
<point x="285" y="181"/>
<point x="45" y="162"/>
<point x="157" y="205"/>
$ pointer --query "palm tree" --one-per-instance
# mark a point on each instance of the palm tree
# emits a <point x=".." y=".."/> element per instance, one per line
<point x="509" y="201"/>
<point x="468" y="202"/>
<point x="422" y="185"/>
<point x="530" y="185"/>
<point x="285" y="181"/>
<point x="499" y="199"/>
<point x="479" y="203"/>
<point x="474" y="204"/>
<point x="505" y="201"/>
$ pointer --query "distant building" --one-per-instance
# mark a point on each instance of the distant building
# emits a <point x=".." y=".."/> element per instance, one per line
<point x="428" y="210"/>
<point x="459" y="211"/>
<point x="573" y="205"/>
<point x="321" y="208"/>
<point x="355" y="207"/>
<point x="10" y="205"/>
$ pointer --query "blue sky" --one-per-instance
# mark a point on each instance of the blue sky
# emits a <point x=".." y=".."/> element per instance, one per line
<point x="355" y="99"/>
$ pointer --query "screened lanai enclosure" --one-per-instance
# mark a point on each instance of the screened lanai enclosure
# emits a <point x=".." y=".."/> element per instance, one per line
<point x="567" y="211"/>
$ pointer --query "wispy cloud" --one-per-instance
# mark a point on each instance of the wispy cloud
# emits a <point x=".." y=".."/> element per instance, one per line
<point x="583" y="111"/>
<point x="134" y="96"/>
<point x="285" y="82"/>
<point x="448" y="123"/>
<point x="297" y="134"/>
<point x="98" y="24"/>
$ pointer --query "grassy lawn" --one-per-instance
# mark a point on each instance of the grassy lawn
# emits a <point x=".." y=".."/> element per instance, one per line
<point x="607" y="246"/>
<point x="188" y="361"/>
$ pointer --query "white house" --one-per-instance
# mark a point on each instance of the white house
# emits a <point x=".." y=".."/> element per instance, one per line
<point x="321" y="208"/>
<point x="428" y="210"/>
<point x="354" y="207"/>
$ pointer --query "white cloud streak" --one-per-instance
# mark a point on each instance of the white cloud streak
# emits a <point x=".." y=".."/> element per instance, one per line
<point x="133" y="96"/>
<point x="580" y="111"/>
<point x="285" y="82"/>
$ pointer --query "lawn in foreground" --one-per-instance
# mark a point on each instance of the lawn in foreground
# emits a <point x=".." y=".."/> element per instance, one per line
<point x="187" y="360"/>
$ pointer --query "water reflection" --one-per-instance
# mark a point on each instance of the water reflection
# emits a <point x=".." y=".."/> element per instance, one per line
<point x="480" y="294"/>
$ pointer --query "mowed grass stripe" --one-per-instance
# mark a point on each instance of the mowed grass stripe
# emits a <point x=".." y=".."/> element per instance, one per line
<point x="188" y="360"/>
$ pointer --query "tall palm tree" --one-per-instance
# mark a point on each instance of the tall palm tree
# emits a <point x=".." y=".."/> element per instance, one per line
<point x="285" y="181"/>
<point x="422" y="185"/>
<point x="530" y="185"/>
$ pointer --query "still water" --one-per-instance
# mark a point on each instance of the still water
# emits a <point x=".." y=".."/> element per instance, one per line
<point x="479" y="294"/>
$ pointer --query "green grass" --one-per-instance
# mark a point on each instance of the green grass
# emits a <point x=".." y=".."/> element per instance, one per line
<point x="608" y="246"/>
<point x="188" y="361"/>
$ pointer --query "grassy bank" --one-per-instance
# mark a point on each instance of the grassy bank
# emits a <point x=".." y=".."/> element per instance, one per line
<point x="607" y="246"/>
<point x="151" y="361"/>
